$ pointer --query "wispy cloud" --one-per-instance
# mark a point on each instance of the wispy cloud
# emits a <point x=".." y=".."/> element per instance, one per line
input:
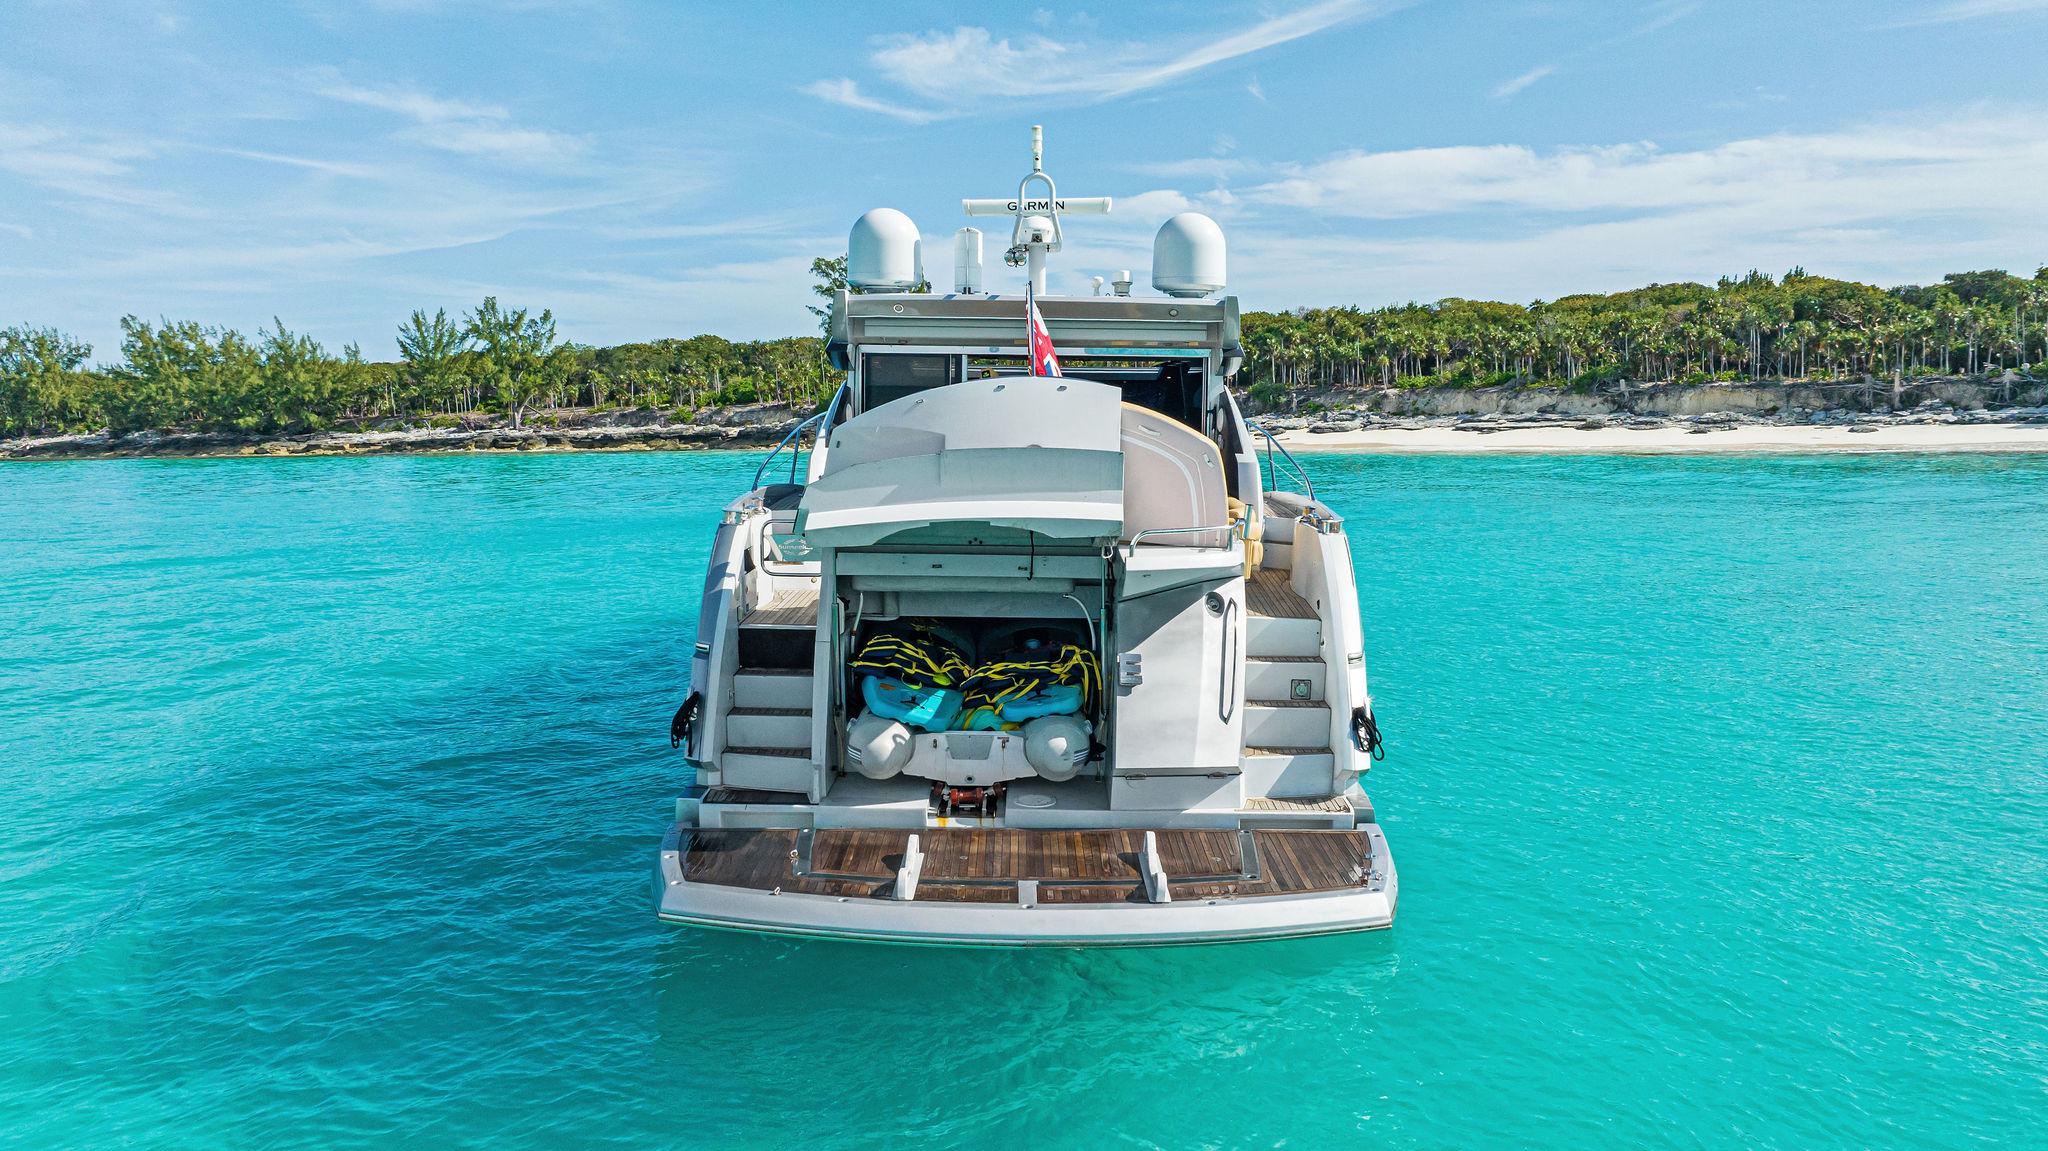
<point x="471" y="129"/>
<point x="1663" y="15"/>
<point x="846" y="92"/>
<point x="307" y="163"/>
<point x="1509" y="88"/>
<point x="1881" y="170"/>
<point x="90" y="166"/>
<point x="1888" y="200"/>
<point x="956" y="72"/>
<point x="1975" y="10"/>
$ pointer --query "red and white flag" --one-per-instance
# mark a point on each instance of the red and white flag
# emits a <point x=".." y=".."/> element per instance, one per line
<point x="1044" y="360"/>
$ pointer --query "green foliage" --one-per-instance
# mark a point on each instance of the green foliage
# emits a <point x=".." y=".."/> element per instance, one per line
<point x="193" y="377"/>
<point x="435" y="369"/>
<point x="830" y="274"/>
<point x="516" y="355"/>
<point x="41" y="386"/>
<point x="1751" y="327"/>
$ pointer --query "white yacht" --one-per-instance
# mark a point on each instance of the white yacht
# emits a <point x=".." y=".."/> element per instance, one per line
<point x="1020" y="658"/>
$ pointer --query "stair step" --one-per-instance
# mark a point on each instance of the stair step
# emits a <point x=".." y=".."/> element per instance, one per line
<point x="1286" y="723"/>
<point x="1293" y="677"/>
<point x="1287" y="772"/>
<point x="1266" y="636"/>
<point x="768" y="727"/>
<point x="772" y="687"/>
<point x="777" y="645"/>
<point x="766" y="768"/>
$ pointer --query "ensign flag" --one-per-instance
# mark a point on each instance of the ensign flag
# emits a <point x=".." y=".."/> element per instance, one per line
<point x="1044" y="361"/>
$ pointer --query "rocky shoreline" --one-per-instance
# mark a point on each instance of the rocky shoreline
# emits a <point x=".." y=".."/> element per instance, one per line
<point x="747" y="426"/>
<point x="1359" y="420"/>
<point x="2010" y="399"/>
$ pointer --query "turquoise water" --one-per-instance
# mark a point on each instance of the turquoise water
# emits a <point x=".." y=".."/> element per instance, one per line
<point x="1719" y="790"/>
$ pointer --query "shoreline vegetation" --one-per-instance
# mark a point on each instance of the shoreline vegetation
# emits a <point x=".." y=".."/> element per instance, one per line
<point x="1755" y="352"/>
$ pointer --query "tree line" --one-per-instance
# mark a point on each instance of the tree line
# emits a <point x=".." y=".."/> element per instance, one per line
<point x="493" y="359"/>
<point x="1798" y="327"/>
<point x="509" y="362"/>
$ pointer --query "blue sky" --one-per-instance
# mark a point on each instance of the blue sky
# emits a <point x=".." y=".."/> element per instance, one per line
<point x="653" y="169"/>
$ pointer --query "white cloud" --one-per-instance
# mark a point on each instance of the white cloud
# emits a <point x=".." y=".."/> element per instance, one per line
<point x="1523" y="81"/>
<point x="1884" y="170"/>
<point x="1977" y="10"/>
<point x="848" y="93"/>
<point x="415" y="105"/>
<point x="953" y="72"/>
<point x="1153" y="206"/>
<point x="92" y="166"/>
<point x="481" y="130"/>
<point x="1888" y="202"/>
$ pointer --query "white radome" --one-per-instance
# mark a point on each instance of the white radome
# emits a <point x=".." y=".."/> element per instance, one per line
<point x="1187" y="257"/>
<point x="882" y="252"/>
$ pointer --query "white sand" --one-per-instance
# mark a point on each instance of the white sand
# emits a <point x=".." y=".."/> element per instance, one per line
<point x="1681" y="441"/>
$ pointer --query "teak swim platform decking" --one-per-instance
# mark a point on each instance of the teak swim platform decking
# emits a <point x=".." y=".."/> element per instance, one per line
<point x="1006" y="865"/>
<point x="1007" y="886"/>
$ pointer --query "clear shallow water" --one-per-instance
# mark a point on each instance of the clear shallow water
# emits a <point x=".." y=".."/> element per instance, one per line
<point x="1719" y="790"/>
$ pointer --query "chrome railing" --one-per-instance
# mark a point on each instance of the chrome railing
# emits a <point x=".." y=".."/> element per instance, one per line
<point x="1308" y="486"/>
<point x="1232" y="530"/>
<point x="794" y="454"/>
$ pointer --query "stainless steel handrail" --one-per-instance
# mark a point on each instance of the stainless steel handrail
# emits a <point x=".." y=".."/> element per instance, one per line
<point x="1308" y="485"/>
<point x="1230" y="529"/>
<point x="793" y="434"/>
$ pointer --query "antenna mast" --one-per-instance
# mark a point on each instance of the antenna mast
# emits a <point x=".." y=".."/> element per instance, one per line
<point x="1037" y="230"/>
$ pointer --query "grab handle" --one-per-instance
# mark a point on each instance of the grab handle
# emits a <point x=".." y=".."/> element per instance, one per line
<point x="1226" y="685"/>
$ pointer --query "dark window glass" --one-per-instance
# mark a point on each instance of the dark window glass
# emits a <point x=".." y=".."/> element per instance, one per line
<point x="886" y="377"/>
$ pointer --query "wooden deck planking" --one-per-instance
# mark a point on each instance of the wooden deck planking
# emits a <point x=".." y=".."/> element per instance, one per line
<point x="982" y="865"/>
<point x="1268" y="593"/>
<point x="850" y="851"/>
<point x="790" y="609"/>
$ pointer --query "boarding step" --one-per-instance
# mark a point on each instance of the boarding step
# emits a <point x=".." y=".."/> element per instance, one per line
<point x="768" y="727"/>
<point x="1275" y="636"/>
<point x="772" y="687"/>
<point x="1286" y="723"/>
<point x="1272" y="594"/>
<point x="1289" y="772"/>
<point x="1295" y="677"/>
<point x="1306" y="810"/>
<point x="766" y="768"/>
<point x="780" y="632"/>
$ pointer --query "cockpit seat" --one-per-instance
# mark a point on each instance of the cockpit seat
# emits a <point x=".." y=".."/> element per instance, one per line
<point x="781" y="497"/>
<point x="1173" y="478"/>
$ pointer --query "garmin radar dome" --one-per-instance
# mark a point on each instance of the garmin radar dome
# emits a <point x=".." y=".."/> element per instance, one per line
<point x="1187" y="257"/>
<point x="882" y="252"/>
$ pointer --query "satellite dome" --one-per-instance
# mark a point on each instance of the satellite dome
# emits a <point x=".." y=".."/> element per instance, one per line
<point x="1187" y="256"/>
<point x="882" y="252"/>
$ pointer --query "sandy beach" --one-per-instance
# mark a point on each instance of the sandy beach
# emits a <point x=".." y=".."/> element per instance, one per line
<point x="1557" y="439"/>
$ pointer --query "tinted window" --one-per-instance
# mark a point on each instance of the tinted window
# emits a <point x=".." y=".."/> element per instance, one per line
<point x="892" y="377"/>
